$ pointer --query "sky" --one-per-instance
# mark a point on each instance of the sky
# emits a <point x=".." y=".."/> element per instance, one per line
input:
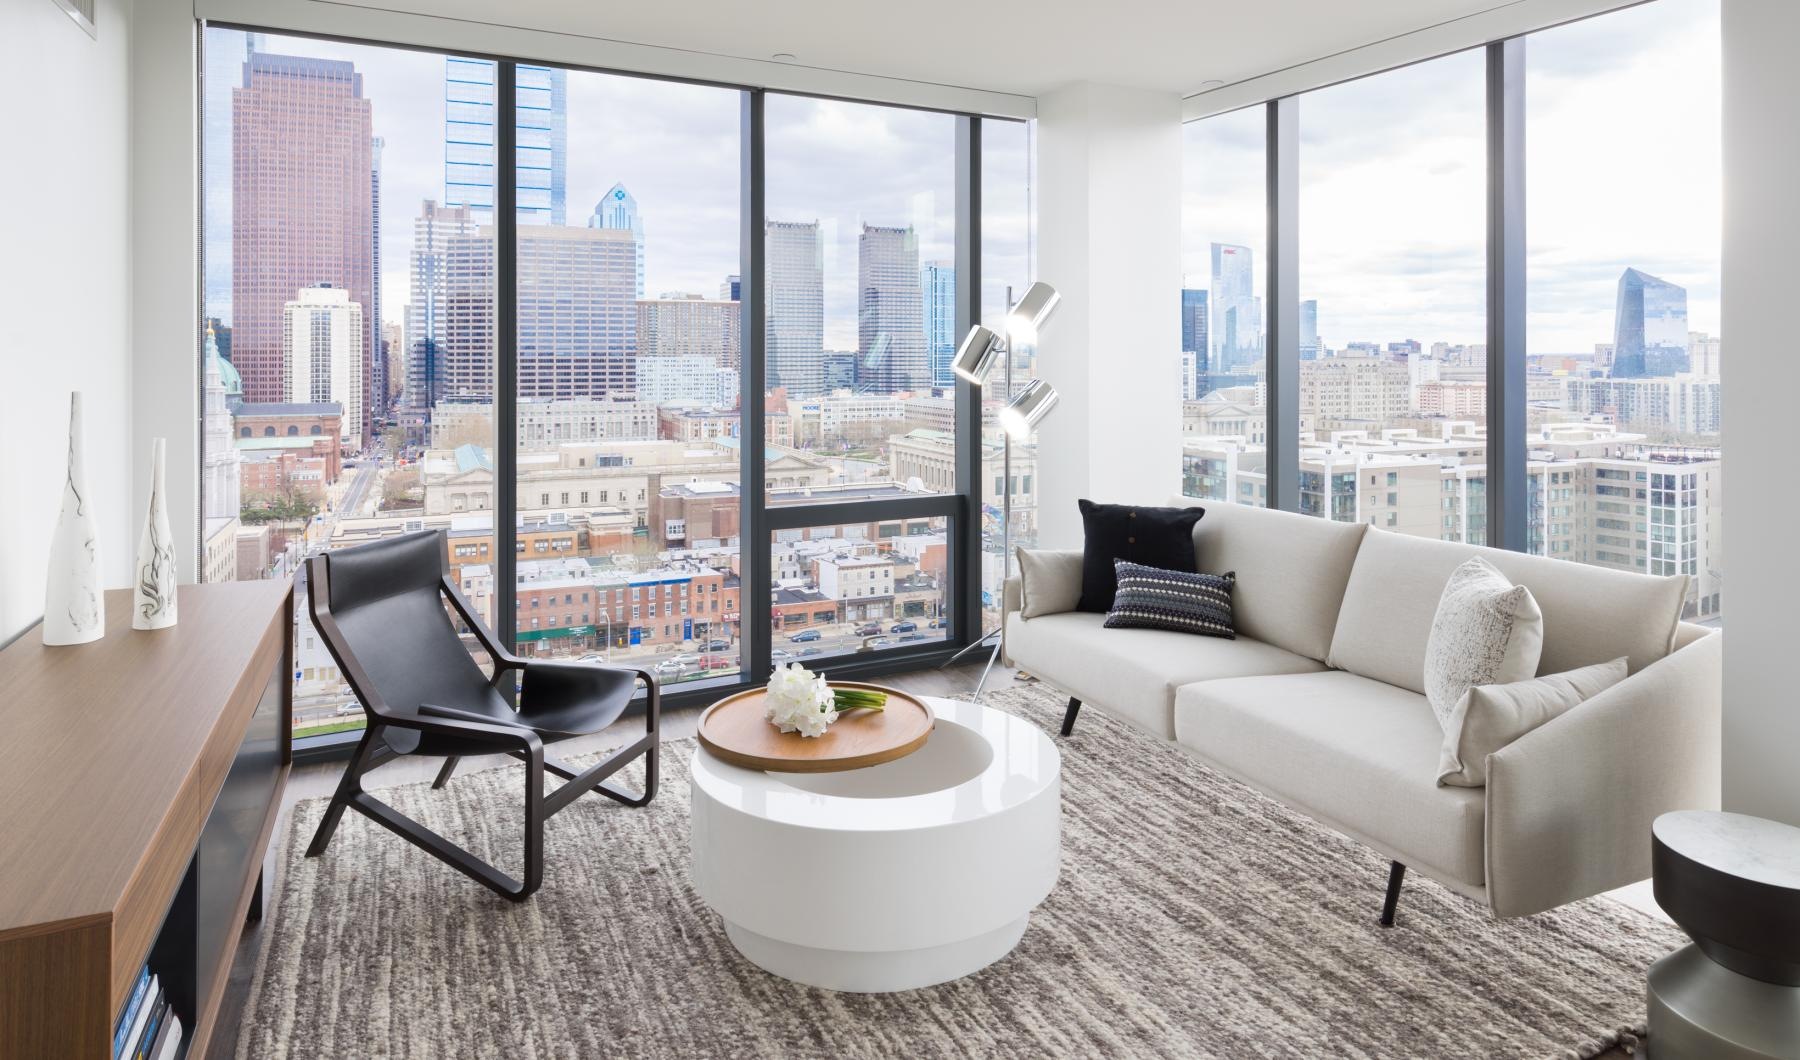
<point x="1622" y="170"/>
<point x="676" y="147"/>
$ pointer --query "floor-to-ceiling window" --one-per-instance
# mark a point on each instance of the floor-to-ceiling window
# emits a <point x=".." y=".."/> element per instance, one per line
<point x="1224" y="226"/>
<point x="348" y="294"/>
<point x="1623" y="177"/>
<point x="859" y="404"/>
<point x="377" y="318"/>
<point x="1008" y="266"/>
<point x="1393" y="284"/>
<point x="629" y="356"/>
<point x="1616" y="358"/>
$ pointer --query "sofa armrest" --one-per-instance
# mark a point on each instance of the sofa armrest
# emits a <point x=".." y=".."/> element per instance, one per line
<point x="1569" y="805"/>
<point x="1049" y="581"/>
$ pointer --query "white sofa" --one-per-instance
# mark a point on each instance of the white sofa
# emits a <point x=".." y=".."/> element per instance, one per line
<point x="1319" y="701"/>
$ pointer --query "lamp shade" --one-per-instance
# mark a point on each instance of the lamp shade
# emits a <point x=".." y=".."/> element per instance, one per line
<point x="975" y="357"/>
<point x="1023" y="413"/>
<point x="1030" y="312"/>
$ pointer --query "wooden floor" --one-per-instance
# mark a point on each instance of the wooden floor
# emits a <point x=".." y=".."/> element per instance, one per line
<point x="317" y="780"/>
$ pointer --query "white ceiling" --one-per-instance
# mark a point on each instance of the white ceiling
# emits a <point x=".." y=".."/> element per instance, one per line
<point x="1016" y="46"/>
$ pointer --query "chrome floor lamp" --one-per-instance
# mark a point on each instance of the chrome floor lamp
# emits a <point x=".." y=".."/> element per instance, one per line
<point x="1026" y="409"/>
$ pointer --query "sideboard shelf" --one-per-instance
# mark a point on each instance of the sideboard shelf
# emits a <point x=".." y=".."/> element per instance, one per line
<point x="140" y="776"/>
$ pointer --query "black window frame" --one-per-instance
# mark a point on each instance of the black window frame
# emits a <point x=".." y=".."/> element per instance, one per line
<point x="758" y="519"/>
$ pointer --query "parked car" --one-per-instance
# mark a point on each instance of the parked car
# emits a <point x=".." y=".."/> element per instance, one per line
<point x="911" y="637"/>
<point x="593" y="657"/>
<point x="804" y="635"/>
<point x="878" y="642"/>
<point x="936" y="623"/>
<point x="780" y="654"/>
<point x="716" y="645"/>
<point x="903" y="627"/>
<point x="718" y="662"/>
<point x="808" y="652"/>
<point x="868" y="629"/>
<point x="349" y="706"/>
<point x="677" y="667"/>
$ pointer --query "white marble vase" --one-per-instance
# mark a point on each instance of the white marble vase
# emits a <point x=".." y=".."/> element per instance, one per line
<point x="153" y="579"/>
<point x="74" y="600"/>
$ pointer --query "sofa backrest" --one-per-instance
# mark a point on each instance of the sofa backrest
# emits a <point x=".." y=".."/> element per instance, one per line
<point x="1591" y="614"/>
<point x="1291" y="570"/>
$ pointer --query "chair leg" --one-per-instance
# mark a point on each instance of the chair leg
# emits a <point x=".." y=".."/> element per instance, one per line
<point x="461" y="860"/>
<point x="443" y="776"/>
<point x="1396" y="875"/>
<point x="1068" y="725"/>
<point x="349" y="786"/>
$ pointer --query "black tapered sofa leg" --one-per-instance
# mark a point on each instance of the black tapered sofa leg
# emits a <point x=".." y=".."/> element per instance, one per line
<point x="1068" y="725"/>
<point x="443" y="776"/>
<point x="1396" y="876"/>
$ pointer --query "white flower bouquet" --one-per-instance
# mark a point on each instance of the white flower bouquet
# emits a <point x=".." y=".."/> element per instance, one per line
<point x="800" y="701"/>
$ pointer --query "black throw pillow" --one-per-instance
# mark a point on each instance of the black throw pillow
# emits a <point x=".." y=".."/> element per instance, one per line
<point x="1154" y="537"/>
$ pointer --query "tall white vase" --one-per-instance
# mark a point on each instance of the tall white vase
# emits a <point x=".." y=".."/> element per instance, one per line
<point x="153" y="579"/>
<point x="74" y="600"/>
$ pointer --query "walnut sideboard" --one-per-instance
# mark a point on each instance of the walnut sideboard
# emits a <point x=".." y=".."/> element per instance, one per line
<point x="139" y="781"/>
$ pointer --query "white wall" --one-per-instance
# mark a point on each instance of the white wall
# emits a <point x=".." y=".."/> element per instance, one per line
<point x="1109" y="238"/>
<point x="1762" y="238"/>
<point x="165" y="263"/>
<point x="64" y="287"/>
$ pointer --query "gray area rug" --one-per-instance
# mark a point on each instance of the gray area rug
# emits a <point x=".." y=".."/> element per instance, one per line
<point x="1194" y="918"/>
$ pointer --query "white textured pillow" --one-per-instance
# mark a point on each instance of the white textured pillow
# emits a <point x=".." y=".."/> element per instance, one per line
<point x="1487" y="631"/>
<point x="1488" y="717"/>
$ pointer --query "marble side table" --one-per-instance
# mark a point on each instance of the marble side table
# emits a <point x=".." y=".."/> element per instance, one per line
<point x="1733" y="884"/>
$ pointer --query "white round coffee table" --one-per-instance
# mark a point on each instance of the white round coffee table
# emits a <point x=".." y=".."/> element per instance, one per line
<point x="894" y="877"/>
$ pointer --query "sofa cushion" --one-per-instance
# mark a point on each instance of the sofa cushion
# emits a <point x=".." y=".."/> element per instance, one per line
<point x="1291" y="571"/>
<point x="1591" y="614"/>
<point x="1487" y="631"/>
<point x="1178" y="601"/>
<point x="1134" y="673"/>
<point x="1154" y="537"/>
<point x="1049" y="581"/>
<point x="1356" y="754"/>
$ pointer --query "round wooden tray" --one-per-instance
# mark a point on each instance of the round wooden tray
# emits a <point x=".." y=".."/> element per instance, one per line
<point x="734" y="730"/>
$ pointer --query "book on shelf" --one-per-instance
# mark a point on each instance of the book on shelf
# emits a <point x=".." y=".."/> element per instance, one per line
<point x="152" y="991"/>
<point x="128" y="1018"/>
<point x="148" y="1038"/>
<point x="168" y="1040"/>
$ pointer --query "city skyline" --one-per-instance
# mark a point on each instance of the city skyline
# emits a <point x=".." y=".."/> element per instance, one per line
<point x="1391" y="169"/>
<point x="676" y="147"/>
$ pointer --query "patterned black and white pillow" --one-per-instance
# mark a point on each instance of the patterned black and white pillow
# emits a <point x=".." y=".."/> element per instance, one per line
<point x="1152" y="598"/>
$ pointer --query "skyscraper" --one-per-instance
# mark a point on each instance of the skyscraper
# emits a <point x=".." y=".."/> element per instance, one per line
<point x="1236" y="331"/>
<point x="688" y="325"/>
<point x="226" y="52"/>
<point x="1309" y="329"/>
<point x="732" y="288"/>
<point x="937" y="284"/>
<point x="618" y="210"/>
<point x="1194" y="341"/>
<point x="890" y="322"/>
<point x="449" y="323"/>
<point x="543" y="139"/>
<point x="304" y="207"/>
<point x="1650" y="329"/>
<point x="378" y="362"/>
<point x="321" y="353"/>
<point x="577" y="316"/>
<point x="794" y="308"/>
